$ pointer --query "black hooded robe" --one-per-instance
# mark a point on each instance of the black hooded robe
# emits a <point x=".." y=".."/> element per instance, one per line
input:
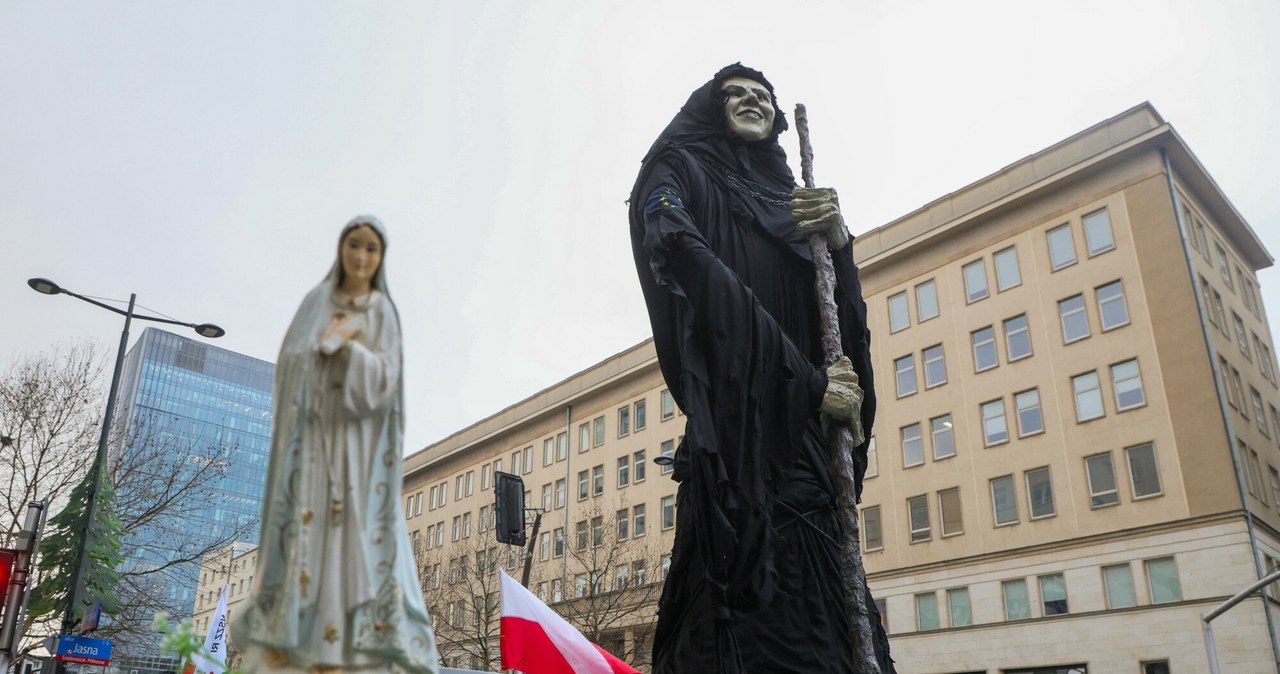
<point x="754" y="580"/>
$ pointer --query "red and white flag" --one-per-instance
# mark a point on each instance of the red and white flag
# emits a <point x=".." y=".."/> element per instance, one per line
<point x="537" y="641"/>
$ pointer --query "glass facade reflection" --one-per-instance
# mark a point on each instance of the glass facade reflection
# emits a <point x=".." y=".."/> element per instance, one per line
<point x="187" y="407"/>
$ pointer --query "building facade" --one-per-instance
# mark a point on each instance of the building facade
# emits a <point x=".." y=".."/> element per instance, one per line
<point x="1077" y="444"/>
<point x="189" y="414"/>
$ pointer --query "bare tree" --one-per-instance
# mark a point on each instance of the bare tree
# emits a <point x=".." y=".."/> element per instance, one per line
<point x="461" y="586"/>
<point x="51" y="407"/>
<point x="612" y="580"/>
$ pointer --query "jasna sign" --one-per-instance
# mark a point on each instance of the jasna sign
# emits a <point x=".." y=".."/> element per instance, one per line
<point x="84" y="650"/>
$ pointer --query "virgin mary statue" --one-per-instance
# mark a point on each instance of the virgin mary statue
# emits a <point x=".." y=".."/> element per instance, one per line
<point x="337" y="589"/>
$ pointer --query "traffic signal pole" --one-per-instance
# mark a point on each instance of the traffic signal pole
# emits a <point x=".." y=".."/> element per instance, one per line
<point x="16" y="593"/>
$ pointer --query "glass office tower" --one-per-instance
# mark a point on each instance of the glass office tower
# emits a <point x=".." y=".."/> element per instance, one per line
<point x="186" y="406"/>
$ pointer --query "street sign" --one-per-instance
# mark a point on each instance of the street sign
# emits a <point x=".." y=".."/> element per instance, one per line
<point x="84" y="650"/>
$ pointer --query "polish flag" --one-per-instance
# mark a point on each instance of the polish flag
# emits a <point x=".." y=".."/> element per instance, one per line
<point x="537" y="641"/>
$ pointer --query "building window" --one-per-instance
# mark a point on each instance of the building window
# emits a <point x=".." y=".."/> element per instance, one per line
<point x="1162" y="580"/>
<point x="1240" y="336"/>
<point x="927" y="611"/>
<point x="935" y="367"/>
<point x="1143" y="473"/>
<point x="562" y="446"/>
<point x="639" y="416"/>
<point x="905" y="373"/>
<point x="597" y="480"/>
<point x="597" y="531"/>
<point x="1017" y="338"/>
<point x="918" y="515"/>
<point x="622" y="520"/>
<point x="959" y="607"/>
<point x="1275" y="490"/>
<point x="1102" y="480"/>
<point x="872" y="539"/>
<point x="1155" y="667"/>
<point x="1219" y="312"/>
<point x="1112" y="310"/>
<point x="637" y="520"/>
<point x="1004" y="500"/>
<point x="1118" y="580"/>
<point x="1030" y="420"/>
<point x="975" y="281"/>
<point x="949" y="512"/>
<point x="668" y="450"/>
<point x="1097" y="232"/>
<point x="994" y="428"/>
<point x="624" y="421"/>
<point x="548" y="451"/>
<point x="1075" y="323"/>
<point x="597" y="431"/>
<point x="926" y="301"/>
<point x="1128" y="385"/>
<point x="944" y="445"/>
<point x="546" y="496"/>
<point x="624" y="471"/>
<point x="1224" y="267"/>
<point x="584" y="485"/>
<point x="1088" y="397"/>
<point x="668" y="404"/>
<point x="486" y="476"/>
<point x="899" y="316"/>
<point x="984" y="349"/>
<point x="873" y="466"/>
<point x="485" y="519"/>
<point x="1016" y="604"/>
<point x="584" y="437"/>
<point x="668" y="512"/>
<point x="1007" y="274"/>
<point x="561" y="489"/>
<point x="1040" y="493"/>
<point x="528" y="459"/>
<point x="431" y="499"/>
<point x="1053" y="594"/>
<point x="912" y="446"/>
<point x="557" y="538"/>
<point x="637" y="471"/>
<point x="666" y="565"/>
<point x="1062" y="248"/>
<point x="1206" y="298"/>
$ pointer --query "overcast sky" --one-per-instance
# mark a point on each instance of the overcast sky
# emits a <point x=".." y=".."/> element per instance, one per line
<point x="205" y="154"/>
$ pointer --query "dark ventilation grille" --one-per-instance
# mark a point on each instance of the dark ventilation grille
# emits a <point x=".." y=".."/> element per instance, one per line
<point x="190" y="356"/>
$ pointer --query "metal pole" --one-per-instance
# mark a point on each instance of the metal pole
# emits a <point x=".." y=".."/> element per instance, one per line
<point x="533" y="540"/>
<point x="99" y="467"/>
<point x="15" y="606"/>
<point x="1226" y="606"/>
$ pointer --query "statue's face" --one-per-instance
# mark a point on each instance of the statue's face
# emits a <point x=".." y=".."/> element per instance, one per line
<point x="748" y="108"/>
<point x="361" y="255"/>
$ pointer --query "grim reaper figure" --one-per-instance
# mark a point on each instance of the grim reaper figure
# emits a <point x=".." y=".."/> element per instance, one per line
<point x="719" y="231"/>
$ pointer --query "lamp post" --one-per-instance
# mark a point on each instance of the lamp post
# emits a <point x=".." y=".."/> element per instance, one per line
<point x="47" y="287"/>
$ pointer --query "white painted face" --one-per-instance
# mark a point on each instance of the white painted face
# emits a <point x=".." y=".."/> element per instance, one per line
<point x="748" y="108"/>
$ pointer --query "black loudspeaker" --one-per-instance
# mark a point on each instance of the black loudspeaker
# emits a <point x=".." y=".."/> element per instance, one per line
<point x="508" y="508"/>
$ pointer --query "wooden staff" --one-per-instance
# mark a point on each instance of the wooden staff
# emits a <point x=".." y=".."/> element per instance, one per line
<point x="853" y="579"/>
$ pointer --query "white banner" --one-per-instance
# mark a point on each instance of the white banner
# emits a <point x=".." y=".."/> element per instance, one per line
<point x="215" y="642"/>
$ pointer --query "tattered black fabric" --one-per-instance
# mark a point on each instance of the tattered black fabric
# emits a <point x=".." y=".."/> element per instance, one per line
<point x="754" y="580"/>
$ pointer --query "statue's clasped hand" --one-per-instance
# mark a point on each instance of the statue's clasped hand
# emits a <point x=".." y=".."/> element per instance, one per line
<point x="842" y="401"/>
<point x="817" y="210"/>
<point x="338" y="334"/>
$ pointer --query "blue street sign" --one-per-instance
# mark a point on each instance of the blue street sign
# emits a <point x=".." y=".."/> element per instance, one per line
<point x="84" y="650"/>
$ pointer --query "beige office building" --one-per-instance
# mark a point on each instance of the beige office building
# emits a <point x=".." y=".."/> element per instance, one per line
<point x="1076" y="444"/>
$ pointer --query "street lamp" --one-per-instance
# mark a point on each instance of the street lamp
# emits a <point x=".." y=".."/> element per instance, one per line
<point x="47" y="287"/>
